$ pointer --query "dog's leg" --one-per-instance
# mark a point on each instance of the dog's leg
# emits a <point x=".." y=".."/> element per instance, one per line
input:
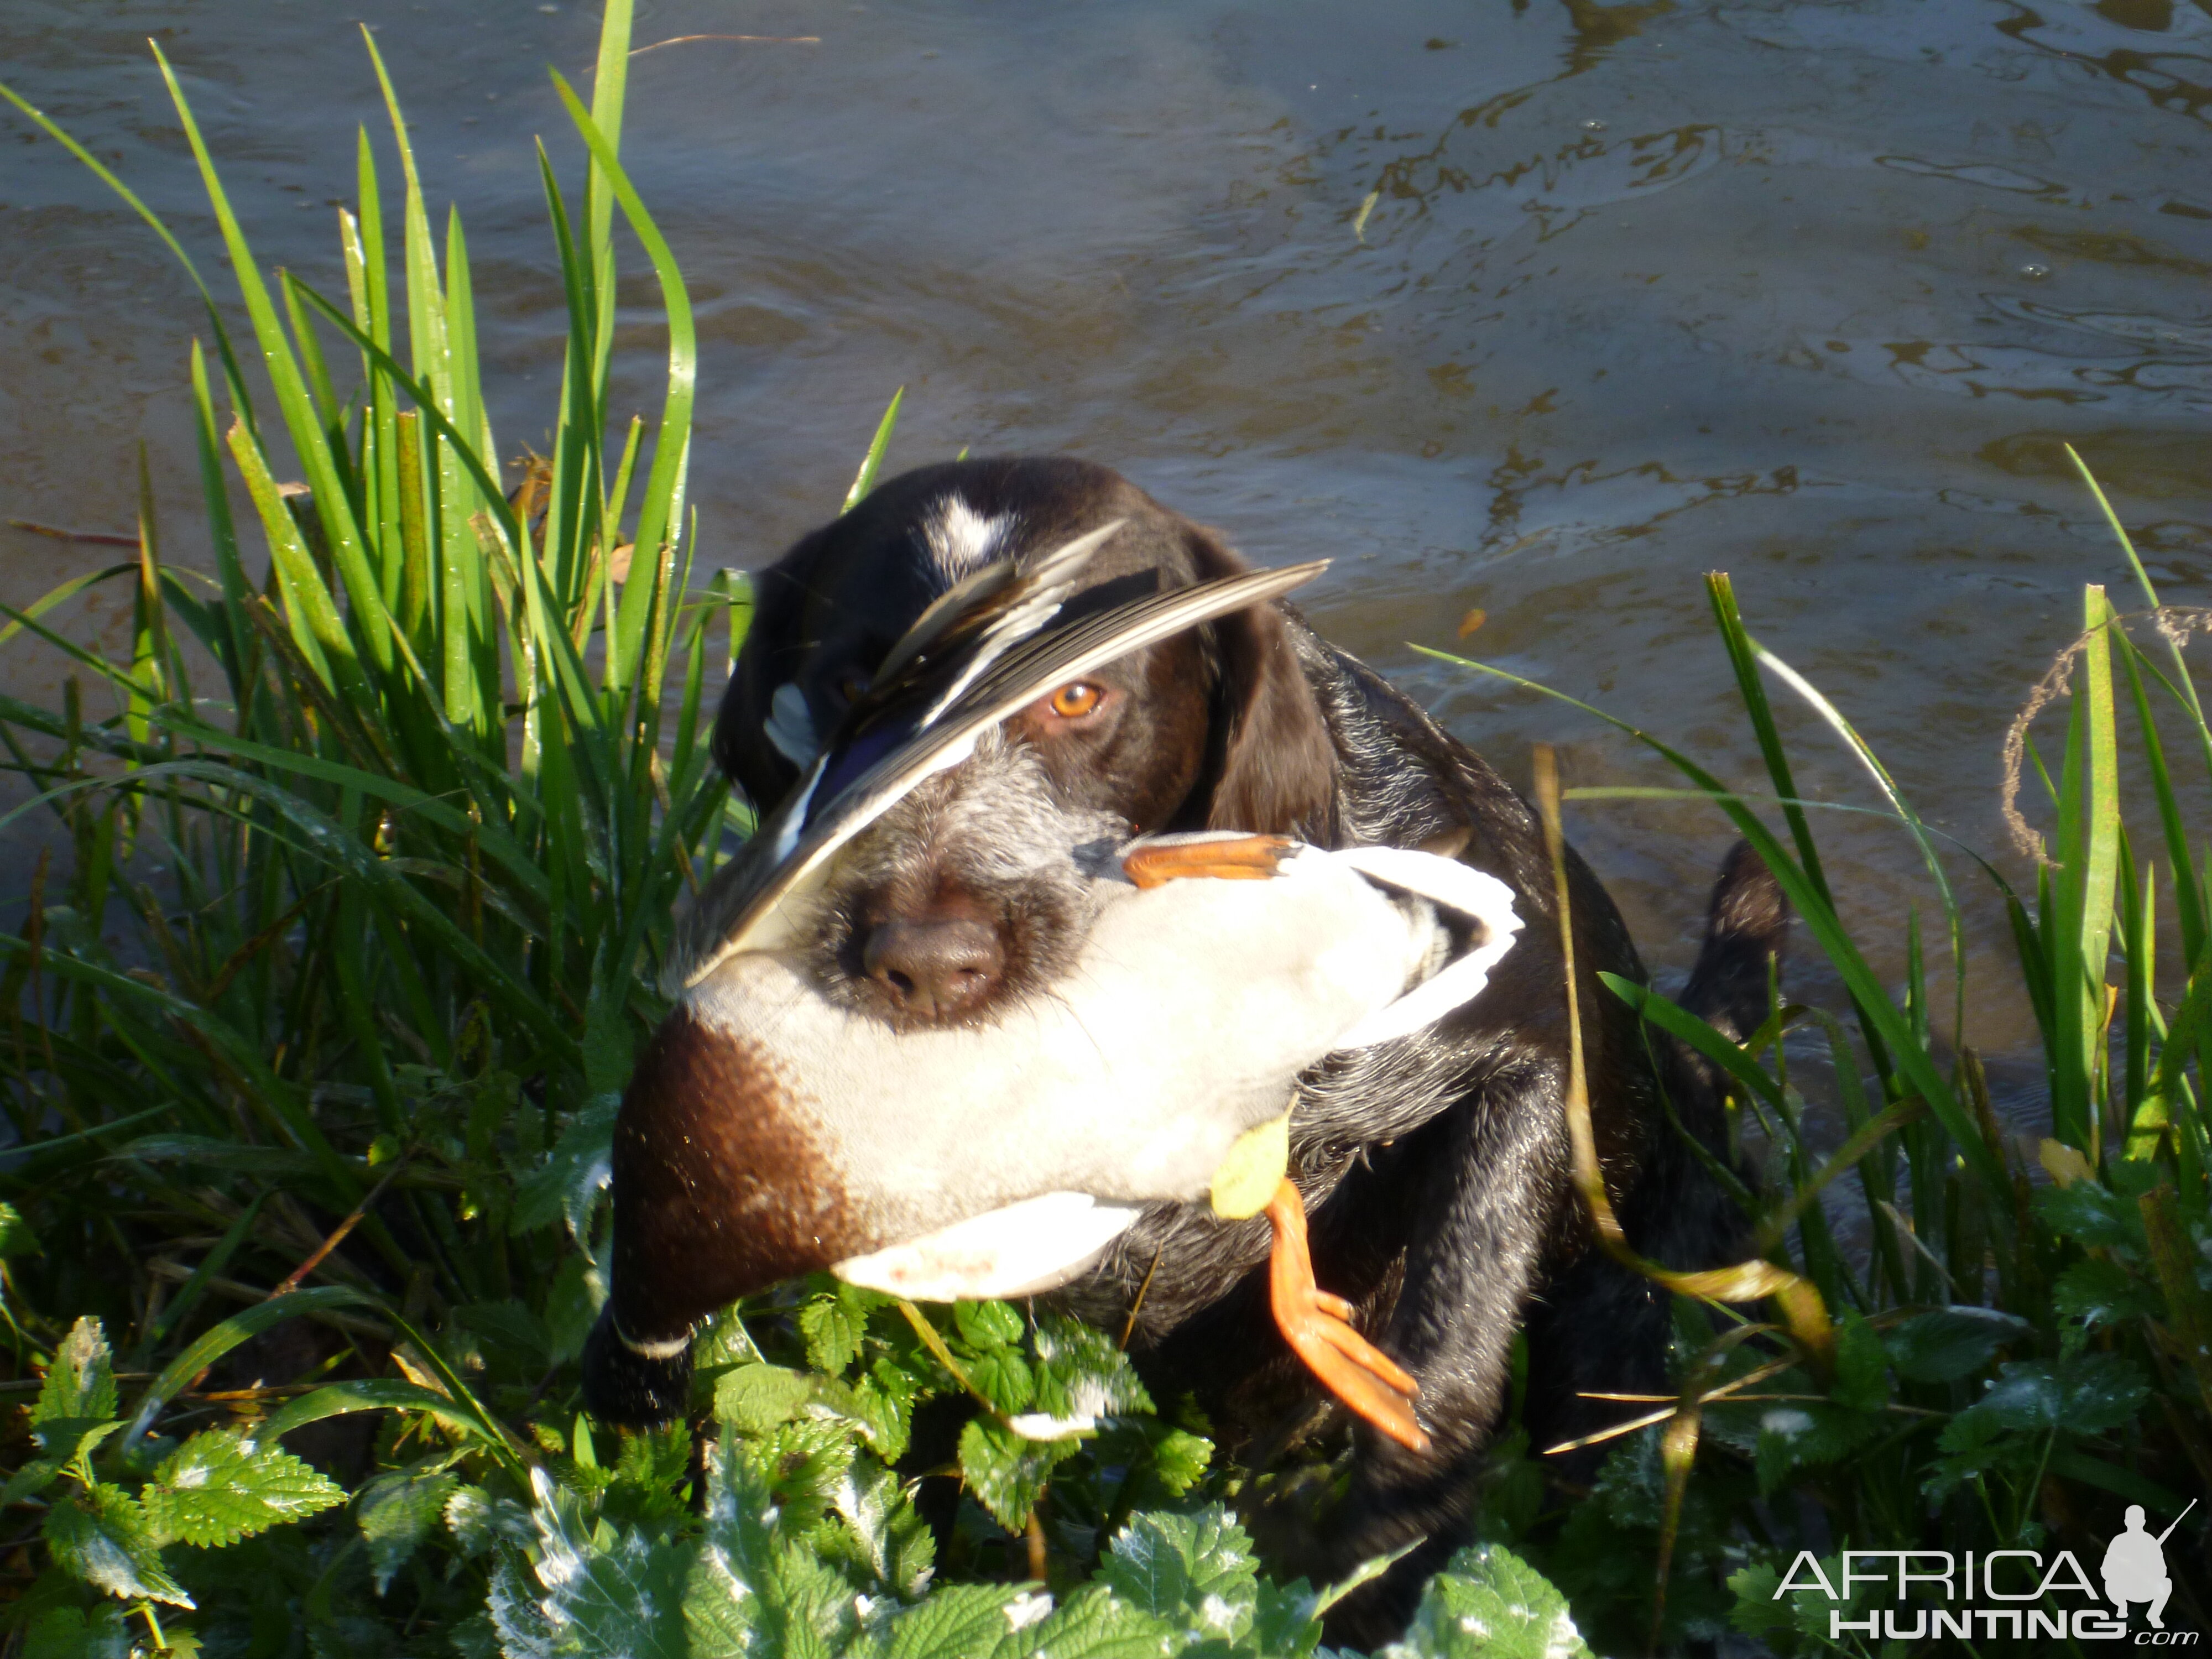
<point x="1483" y="1185"/>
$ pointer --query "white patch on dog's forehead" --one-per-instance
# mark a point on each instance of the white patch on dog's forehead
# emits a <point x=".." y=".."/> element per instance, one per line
<point x="960" y="538"/>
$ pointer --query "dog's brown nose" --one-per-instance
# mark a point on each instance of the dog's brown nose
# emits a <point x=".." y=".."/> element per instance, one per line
<point x="934" y="967"/>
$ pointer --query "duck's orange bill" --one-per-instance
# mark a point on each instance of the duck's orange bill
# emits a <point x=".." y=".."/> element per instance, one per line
<point x="1317" y="1327"/>
<point x="1251" y="858"/>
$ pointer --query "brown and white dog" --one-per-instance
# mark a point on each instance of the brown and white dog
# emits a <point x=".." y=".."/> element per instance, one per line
<point x="1435" y="1167"/>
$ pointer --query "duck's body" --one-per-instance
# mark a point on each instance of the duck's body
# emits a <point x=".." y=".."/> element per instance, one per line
<point x="773" y="1130"/>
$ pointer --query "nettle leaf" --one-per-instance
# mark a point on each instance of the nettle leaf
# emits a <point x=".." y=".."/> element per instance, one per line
<point x="81" y="1383"/>
<point x="102" y="1535"/>
<point x="724" y="1340"/>
<point x="2084" y="1395"/>
<point x="2092" y="1215"/>
<point x="1794" y="1436"/>
<point x="1195" y="1570"/>
<point x="72" y="1633"/>
<point x="1002" y="1376"/>
<point x="1284" y="1624"/>
<point x="749" y="1589"/>
<point x="568" y="1183"/>
<point x="1489" y="1604"/>
<point x="220" y="1487"/>
<point x="396" y="1512"/>
<point x="1005" y="1472"/>
<point x="29" y="1480"/>
<point x="883" y="1404"/>
<point x="1095" y="1624"/>
<point x="832" y="1330"/>
<point x="64" y="1440"/>
<point x="603" y="1590"/>
<point x="1180" y="1459"/>
<point x="477" y="1520"/>
<point x="757" y="1398"/>
<point x="2096" y="1291"/>
<point x="1081" y="1373"/>
<point x="961" y="1621"/>
<point x="895" y="1541"/>
<point x="986" y="1325"/>
<point x="1948" y="1343"/>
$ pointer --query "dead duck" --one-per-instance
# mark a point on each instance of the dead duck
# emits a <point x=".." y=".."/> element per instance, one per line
<point x="770" y="1132"/>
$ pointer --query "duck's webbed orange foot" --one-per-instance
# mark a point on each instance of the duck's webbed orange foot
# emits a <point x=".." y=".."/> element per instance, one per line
<point x="1318" y="1328"/>
<point x="1247" y="858"/>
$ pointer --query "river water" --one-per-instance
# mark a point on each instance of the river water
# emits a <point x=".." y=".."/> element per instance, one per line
<point x="1810" y="293"/>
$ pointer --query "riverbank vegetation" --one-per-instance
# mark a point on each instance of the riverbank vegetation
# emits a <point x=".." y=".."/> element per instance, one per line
<point x="319" y="1011"/>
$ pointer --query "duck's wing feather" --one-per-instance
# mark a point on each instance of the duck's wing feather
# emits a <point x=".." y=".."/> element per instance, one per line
<point x="746" y="905"/>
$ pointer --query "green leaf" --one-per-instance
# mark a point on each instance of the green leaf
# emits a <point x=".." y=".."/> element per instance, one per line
<point x="72" y="1633"/>
<point x="478" y="1520"/>
<point x="568" y="1183"/>
<point x="602" y="1590"/>
<point x="64" y="1440"/>
<point x="1489" y="1602"/>
<point x="893" y="1540"/>
<point x="1284" y="1625"/>
<point x="1179" y="1460"/>
<point x="31" y="1478"/>
<point x="723" y="1340"/>
<point x="1082" y="1374"/>
<point x="961" y="1621"/>
<point x="1796" y="1435"/>
<point x="1948" y="1343"/>
<point x="1002" y="1376"/>
<point x="987" y="1325"/>
<point x="396" y="1512"/>
<point x="1005" y="1472"/>
<point x="81" y="1383"/>
<point x="220" y="1487"/>
<point x="2086" y="1395"/>
<point x="2093" y="1216"/>
<point x="1193" y="1570"/>
<point x="16" y="1237"/>
<point x="1095" y="1624"/>
<point x="2099" y="1292"/>
<point x="757" y="1398"/>
<point x="832" y="1331"/>
<point x="102" y="1535"/>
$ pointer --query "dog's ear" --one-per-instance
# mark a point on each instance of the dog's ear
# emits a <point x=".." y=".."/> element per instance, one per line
<point x="770" y="655"/>
<point x="1277" y="771"/>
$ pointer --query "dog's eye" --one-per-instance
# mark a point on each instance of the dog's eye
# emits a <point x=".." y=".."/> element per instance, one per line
<point x="850" y="685"/>
<point x="1074" y="700"/>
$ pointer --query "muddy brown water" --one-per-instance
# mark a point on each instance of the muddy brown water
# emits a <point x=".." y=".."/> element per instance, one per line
<point x="1810" y="293"/>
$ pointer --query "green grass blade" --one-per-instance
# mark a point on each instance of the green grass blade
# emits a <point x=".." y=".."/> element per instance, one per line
<point x="660" y="515"/>
<point x="332" y="503"/>
<point x="1916" y="1068"/>
<point x="865" y="479"/>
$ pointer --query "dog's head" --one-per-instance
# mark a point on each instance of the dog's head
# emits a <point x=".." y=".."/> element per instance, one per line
<point x="1214" y="728"/>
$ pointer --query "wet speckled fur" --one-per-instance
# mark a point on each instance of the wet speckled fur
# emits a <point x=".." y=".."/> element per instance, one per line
<point x="1435" y="1168"/>
<point x="991" y="829"/>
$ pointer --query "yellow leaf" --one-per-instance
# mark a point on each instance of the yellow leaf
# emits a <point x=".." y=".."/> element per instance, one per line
<point x="1248" y="1177"/>
<point x="2064" y="1164"/>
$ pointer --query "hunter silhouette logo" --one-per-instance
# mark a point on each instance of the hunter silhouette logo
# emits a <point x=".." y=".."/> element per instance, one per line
<point x="2011" y="1593"/>
<point x="2135" y="1566"/>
